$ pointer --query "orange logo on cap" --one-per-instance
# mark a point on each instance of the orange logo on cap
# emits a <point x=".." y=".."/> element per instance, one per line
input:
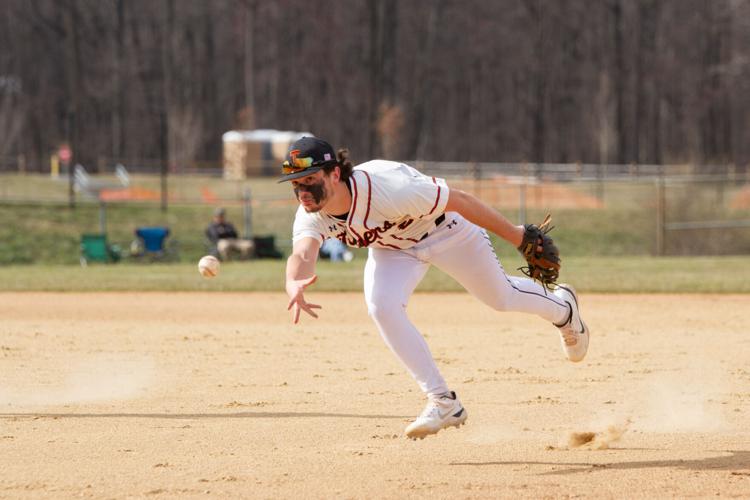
<point x="296" y="162"/>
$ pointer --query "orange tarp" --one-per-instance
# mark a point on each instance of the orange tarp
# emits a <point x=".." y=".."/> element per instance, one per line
<point x="129" y="194"/>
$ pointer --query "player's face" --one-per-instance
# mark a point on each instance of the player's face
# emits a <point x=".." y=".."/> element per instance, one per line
<point x="312" y="191"/>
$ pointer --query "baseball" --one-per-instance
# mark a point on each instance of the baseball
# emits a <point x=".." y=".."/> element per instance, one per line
<point x="208" y="266"/>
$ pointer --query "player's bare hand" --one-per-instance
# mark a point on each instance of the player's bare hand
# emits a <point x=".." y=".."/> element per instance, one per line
<point x="297" y="303"/>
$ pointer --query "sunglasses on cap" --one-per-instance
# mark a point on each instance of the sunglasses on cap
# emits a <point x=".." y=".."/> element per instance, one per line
<point x="298" y="164"/>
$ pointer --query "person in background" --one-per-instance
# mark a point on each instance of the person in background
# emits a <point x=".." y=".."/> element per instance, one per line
<point x="222" y="234"/>
<point x="335" y="250"/>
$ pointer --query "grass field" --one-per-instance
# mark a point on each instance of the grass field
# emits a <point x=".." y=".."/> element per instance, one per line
<point x="38" y="227"/>
<point x="621" y="274"/>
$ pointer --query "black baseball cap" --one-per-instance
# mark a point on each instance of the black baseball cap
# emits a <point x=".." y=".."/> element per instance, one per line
<point x="306" y="156"/>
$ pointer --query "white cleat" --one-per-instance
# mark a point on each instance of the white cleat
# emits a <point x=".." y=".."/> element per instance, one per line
<point x="574" y="334"/>
<point x="440" y="412"/>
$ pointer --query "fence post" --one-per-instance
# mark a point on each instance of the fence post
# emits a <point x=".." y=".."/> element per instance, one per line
<point x="476" y="175"/>
<point x="522" y="192"/>
<point x="21" y="164"/>
<point x="71" y="184"/>
<point x="164" y="189"/>
<point x="165" y="157"/>
<point x="102" y="217"/>
<point x="661" y="206"/>
<point x="247" y="214"/>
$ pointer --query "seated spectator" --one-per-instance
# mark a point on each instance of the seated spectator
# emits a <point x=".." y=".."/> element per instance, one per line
<point x="335" y="250"/>
<point x="224" y="236"/>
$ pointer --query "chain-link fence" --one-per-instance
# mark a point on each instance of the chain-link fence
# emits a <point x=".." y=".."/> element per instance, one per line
<point x="598" y="209"/>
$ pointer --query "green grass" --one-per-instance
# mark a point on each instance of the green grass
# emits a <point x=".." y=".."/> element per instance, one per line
<point x="588" y="274"/>
<point x="37" y="227"/>
<point x="49" y="233"/>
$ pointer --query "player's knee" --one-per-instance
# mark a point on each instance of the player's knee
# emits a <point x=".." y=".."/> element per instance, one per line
<point x="500" y="303"/>
<point x="379" y="308"/>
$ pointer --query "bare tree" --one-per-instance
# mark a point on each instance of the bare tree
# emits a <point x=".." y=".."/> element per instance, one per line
<point x="508" y="80"/>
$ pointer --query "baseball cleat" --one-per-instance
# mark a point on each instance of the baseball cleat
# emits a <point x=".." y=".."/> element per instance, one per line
<point x="574" y="334"/>
<point x="441" y="412"/>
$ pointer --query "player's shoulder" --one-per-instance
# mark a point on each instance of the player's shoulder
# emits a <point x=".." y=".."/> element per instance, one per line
<point x="377" y="165"/>
<point x="387" y="172"/>
<point x="304" y="216"/>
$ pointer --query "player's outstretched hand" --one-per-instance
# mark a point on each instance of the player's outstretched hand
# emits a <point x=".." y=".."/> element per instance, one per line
<point x="296" y="289"/>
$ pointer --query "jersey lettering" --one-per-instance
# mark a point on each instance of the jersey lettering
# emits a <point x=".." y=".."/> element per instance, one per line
<point x="405" y="224"/>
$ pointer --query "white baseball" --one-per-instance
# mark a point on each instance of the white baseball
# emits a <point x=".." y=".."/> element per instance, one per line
<point x="208" y="266"/>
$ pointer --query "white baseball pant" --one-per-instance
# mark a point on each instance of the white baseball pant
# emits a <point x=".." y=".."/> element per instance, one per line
<point x="464" y="251"/>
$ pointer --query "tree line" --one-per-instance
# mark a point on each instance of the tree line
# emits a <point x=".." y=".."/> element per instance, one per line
<point x="610" y="81"/>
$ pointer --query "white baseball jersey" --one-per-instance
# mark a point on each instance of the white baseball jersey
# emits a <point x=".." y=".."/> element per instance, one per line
<point x="393" y="206"/>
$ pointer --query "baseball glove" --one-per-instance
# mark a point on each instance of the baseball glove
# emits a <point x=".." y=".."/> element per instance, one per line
<point x="544" y="264"/>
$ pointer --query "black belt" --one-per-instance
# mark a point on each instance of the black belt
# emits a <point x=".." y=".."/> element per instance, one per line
<point x="438" y="221"/>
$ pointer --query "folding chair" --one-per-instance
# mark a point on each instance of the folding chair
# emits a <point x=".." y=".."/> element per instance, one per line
<point x="152" y="243"/>
<point x="94" y="248"/>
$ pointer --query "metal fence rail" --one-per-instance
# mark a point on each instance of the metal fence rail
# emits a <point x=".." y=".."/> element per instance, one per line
<point x="707" y="224"/>
<point x="20" y="164"/>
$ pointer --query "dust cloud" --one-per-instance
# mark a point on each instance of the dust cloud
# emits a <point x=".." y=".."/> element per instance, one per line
<point x="95" y="379"/>
<point x="598" y="440"/>
<point x="687" y="400"/>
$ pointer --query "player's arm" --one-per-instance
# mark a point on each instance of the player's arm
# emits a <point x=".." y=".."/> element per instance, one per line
<point x="481" y="214"/>
<point x="300" y="273"/>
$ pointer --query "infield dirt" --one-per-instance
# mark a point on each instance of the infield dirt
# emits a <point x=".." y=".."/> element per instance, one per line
<point x="218" y="395"/>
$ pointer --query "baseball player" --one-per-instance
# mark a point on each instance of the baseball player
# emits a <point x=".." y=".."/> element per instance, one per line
<point x="409" y="221"/>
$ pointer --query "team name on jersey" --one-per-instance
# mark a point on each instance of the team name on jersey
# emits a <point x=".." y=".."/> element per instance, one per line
<point x="372" y="235"/>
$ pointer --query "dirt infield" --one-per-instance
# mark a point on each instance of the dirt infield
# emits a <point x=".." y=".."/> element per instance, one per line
<point x="216" y="395"/>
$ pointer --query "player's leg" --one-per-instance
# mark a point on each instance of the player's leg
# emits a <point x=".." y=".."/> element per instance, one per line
<point x="465" y="252"/>
<point x="390" y="279"/>
<point x="223" y="246"/>
<point x="245" y="247"/>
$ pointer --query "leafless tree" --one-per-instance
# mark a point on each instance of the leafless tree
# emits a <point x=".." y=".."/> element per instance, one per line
<point x="507" y="80"/>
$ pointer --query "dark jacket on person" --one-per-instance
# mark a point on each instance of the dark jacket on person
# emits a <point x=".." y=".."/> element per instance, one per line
<point x="220" y="231"/>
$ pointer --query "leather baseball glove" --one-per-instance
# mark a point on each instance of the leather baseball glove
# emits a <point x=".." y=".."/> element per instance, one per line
<point x="544" y="263"/>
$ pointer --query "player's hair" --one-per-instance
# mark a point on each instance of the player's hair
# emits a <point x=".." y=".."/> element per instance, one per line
<point x="344" y="163"/>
